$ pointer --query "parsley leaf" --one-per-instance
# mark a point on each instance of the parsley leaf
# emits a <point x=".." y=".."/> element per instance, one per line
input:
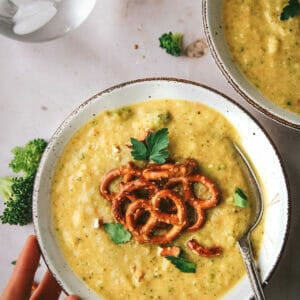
<point x="240" y="198"/>
<point x="117" y="232"/>
<point x="182" y="264"/>
<point x="290" y="10"/>
<point x="139" y="151"/>
<point x="154" y="148"/>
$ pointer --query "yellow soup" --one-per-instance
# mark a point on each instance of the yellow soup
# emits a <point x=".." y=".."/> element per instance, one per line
<point x="266" y="49"/>
<point x="132" y="270"/>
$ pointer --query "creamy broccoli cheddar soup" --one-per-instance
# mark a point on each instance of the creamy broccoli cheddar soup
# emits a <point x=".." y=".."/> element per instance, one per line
<point x="134" y="266"/>
<point x="266" y="48"/>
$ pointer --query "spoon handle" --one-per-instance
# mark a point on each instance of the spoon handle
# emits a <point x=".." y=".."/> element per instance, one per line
<point x="246" y="252"/>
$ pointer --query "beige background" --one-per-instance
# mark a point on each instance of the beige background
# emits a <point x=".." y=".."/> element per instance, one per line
<point x="40" y="84"/>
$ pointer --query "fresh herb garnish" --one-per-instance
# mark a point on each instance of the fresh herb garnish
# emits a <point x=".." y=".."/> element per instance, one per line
<point x="182" y="264"/>
<point x="154" y="148"/>
<point x="117" y="232"/>
<point x="240" y="198"/>
<point x="290" y="10"/>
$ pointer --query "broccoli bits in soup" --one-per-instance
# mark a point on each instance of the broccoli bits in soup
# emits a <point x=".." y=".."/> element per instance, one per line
<point x="147" y="210"/>
<point x="263" y="37"/>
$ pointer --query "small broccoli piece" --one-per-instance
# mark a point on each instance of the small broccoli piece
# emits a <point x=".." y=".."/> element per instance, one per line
<point x="123" y="113"/>
<point x="27" y="158"/>
<point x="157" y="119"/>
<point x="17" y="195"/>
<point x="164" y="118"/>
<point x="172" y="42"/>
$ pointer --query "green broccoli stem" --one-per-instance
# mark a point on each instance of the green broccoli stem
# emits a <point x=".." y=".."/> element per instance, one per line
<point x="5" y="188"/>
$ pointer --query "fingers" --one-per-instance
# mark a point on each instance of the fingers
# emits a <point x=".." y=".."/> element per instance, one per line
<point x="48" y="289"/>
<point x="19" y="286"/>
<point x="72" y="297"/>
<point x="21" y="280"/>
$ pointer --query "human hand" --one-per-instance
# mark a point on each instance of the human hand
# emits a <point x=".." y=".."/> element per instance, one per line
<point x="21" y="281"/>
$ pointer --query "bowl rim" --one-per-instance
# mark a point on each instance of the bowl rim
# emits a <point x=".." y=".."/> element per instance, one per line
<point x="231" y="79"/>
<point x="77" y="110"/>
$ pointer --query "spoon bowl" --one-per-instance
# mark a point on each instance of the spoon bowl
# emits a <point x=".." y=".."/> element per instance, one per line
<point x="244" y="241"/>
<point x="39" y="21"/>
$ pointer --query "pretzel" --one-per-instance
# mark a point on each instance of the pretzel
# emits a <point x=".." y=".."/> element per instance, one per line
<point x="128" y="194"/>
<point x="128" y="172"/>
<point x="203" y="251"/>
<point x="196" y="215"/>
<point x="210" y="186"/>
<point x="146" y="231"/>
<point x="176" y="219"/>
<point x="169" y="170"/>
<point x="140" y="228"/>
<point x="158" y="203"/>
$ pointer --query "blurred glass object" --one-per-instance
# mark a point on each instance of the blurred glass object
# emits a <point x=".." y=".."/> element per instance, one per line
<point x="42" y="20"/>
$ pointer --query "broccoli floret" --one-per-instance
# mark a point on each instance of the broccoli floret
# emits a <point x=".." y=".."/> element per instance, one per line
<point x="27" y="158"/>
<point x="17" y="195"/>
<point x="172" y="42"/>
<point x="17" y="191"/>
<point x="157" y="119"/>
<point x="123" y="113"/>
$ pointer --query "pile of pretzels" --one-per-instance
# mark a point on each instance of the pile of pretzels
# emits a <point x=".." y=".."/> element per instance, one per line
<point x="158" y="202"/>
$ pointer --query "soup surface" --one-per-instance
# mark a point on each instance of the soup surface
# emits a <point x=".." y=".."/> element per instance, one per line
<point x="266" y="49"/>
<point x="132" y="270"/>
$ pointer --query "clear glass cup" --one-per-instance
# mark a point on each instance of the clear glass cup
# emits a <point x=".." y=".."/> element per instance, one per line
<point x="42" y="20"/>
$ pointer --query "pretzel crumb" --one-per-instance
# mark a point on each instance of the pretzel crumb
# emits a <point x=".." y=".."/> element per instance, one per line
<point x="98" y="222"/>
<point x="169" y="251"/>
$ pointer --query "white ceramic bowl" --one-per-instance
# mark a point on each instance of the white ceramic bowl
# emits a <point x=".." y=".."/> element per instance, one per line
<point x="258" y="145"/>
<point x="212" y="19"/>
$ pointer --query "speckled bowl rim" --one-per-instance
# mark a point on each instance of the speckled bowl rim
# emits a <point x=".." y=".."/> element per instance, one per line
<point x="120" y="86"/>
<point x="232" y="79"/>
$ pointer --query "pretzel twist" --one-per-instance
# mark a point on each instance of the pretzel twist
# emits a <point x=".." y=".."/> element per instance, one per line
<point x="159" y="202"/>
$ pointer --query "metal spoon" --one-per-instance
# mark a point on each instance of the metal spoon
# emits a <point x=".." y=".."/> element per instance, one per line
<point x="244" y="241"/>
<point x="70" y="14"/>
